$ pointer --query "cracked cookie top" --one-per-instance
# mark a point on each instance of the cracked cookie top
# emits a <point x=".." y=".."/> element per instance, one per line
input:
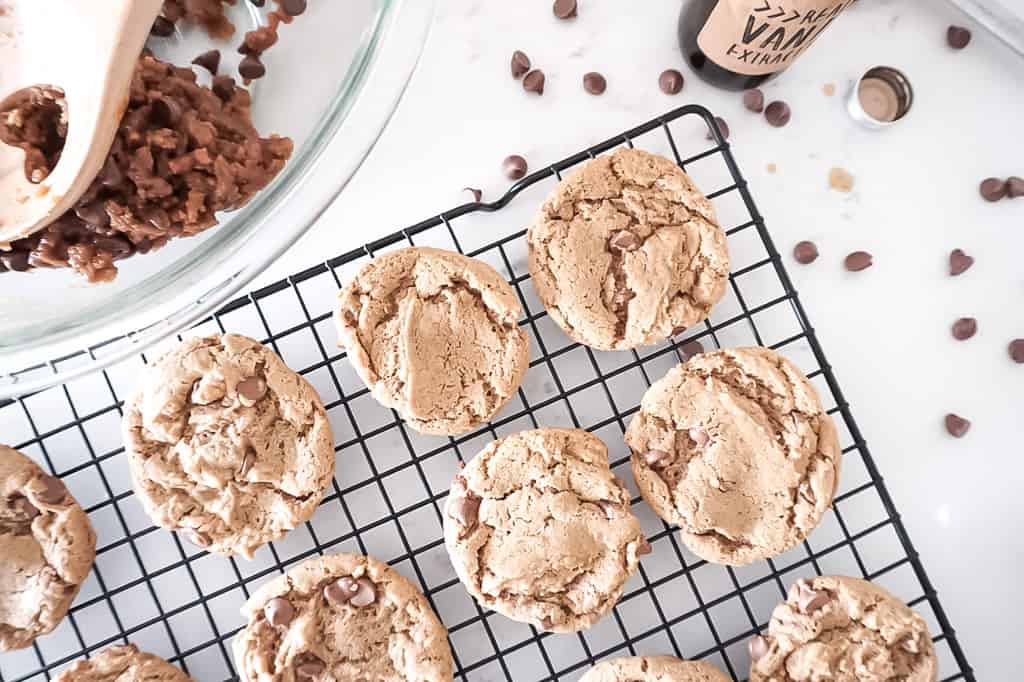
<point x="227" y="444"/>
<point x="846" y="630"/>
<point x="47" y="544"/>
<point x="435" y="336"/>
<point x="123" y="663"/>
<point x="341" y="617"/>
<point x="653" y="669"/>
<point x="626" y="251"/>
<point x="734" y="447"/>
<point x="540" y="530"/>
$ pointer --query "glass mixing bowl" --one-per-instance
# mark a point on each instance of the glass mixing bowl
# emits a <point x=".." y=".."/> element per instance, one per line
<point x="332" y="83"/>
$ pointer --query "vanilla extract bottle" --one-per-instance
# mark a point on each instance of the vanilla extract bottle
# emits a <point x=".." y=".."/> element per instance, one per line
<point x="739" y="44"/>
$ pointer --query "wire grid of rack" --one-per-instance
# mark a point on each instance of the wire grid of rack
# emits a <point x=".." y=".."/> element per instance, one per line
<point x="152" y="588"/>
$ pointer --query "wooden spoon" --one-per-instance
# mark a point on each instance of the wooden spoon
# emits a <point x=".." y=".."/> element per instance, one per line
<point x="87" y="49"/>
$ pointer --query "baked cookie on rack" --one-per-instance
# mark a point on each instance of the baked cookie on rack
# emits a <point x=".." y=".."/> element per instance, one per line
<point x="540" y="530"/>
<point x="843" y="629"/>
<point x="227" y="444"/>
<point x="626" y="251"/>
<point x="734" y="447"/>
<point x="653" y="669"/>
<point x="434" y="335"/>
<point x="341" y="617"/>
<point x="48" y="547"/>
<point x="124" y="663"/>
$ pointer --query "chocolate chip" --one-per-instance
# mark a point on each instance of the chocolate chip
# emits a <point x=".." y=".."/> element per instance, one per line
<point x="644" y="548"/>
<point x="757" y="647"/>
<point x="753" y="100"/>
<point x="514" y="167"/>
<point x="162" y="27"/>
<point x="310" y="670"/>
<point x="27" y="509"/>
<point x="699" y="437"/>
<point x="958" y="37"/>
<point x="252" y="389"/>
<point x="15" y="261"/>
<point x="93" y="213"/>
<point x="465" y="509"/>
<point x="965" y="328"/>
<point x="808" y="599"/>
<point x="164" y="113"/>
<point x="293" y="8"/>
<point x="223" y="87"/>
<point x="366" y="593"/>
<point x="279" y="612"/>
<point x="857" y="261"/>
<point x="251" y="67"/>
<point x="777" y="113"/>
<point x="594" y="83"/>
<point x="723" y="129"/>
<point x="53" y="491"/>
<point x="1014" y="187"/>
<point x="209" y="60"/>
<point x="564" y="9"/>
<point x="624" y="240"/>
<point x="691" y="348"/>
<point x="1016" y="349"/>
<point x="341" y="590"/>
<point x="956" y="425"/>
<point x="805" y="252"/>
<point x="992" y="189"/>
<point x="670" y="81"/>
<point x="654" y="457"/>
<point x="534" y="82"/>
<point x="197" y="538"/>
<point x="959" y="262"/>
<point x="520" y="64"/>
<point x="475" y="192"/>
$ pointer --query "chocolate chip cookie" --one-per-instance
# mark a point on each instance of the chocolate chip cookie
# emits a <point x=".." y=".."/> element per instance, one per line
<point x="434" y="335"/>
<point x="540" y="530"/>
<point x="653" y="669"/>
<point x="227" y="444"/>
<point x="626" y="251"/>
<point x="341" y="617"/>
<point x="123" y="664"/>
<point x="734" y="446"/>
<point x="47" y="544"/>
<point x="846" y="630"/>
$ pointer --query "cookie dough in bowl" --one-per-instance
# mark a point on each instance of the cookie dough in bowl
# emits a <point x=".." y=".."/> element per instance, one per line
<point x="735" y="448"/>
<point x="124" y="663"/>
<point x="227" y="444"/>
<point x="48" y="546"/>
<point x="626" y="251"/>
<point x="653" y="669"/>
<point x="435" y="336"/>
<point x="341" y="617"/>
<point x="540" y="530"/>
<point x="844" y="630"/>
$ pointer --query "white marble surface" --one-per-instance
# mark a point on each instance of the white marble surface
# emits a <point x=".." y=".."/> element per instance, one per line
<point x="886" y="330"/>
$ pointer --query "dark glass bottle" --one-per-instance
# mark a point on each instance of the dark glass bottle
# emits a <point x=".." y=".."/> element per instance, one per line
<point x="739" y="44"/>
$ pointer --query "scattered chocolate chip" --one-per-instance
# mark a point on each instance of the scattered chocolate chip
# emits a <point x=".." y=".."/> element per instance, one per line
<point x="805" y="252"/>
<point x="624" y="240"/>
<point x="1016" y="349"/>
<point x="465" y="509"/>
<point x="293" y="8"/>
<point x="1014" y="187"/>
<point x="223" y="87"/>
<point x="691" y="348"/>
<point x="564" y="9"/>
<point x="279" y="611"/>
<point x="670" y="81"/>
<point x="965" y="328"/>
<point x="366" y="593"/>
<point x="653" y="457"/>
<point x="753" y="100"/>
<point x="956" y="425"/>
<point x="310" y="670"/>
<point x="757" y="647"/>
<point x="808" y="599"/>
<point x="992" y="189"/>
<point x="197" y="538"/>
<point x="723" y="129"/>
<point x="251" y="67"/>
<point x="857" y="261"/>
<point x="520" y="64"/>
<point x="474" y="191"/>
<point x="644" y="548"/>
<point x="162" y="27"/>
<point x="209" y="60"/>
<point x="341" y="590"/>
<point x="959" y="262"/>
<point x="594" y="83"/>
<point x="699" y="437"/>
<point x="53" y="491"/>
<point x="252" y="389"/>
<point x="777" y="113"/>
<point x="958" y="37"/>
<point x="534" y="82"/>
<point x="514" y="167"/>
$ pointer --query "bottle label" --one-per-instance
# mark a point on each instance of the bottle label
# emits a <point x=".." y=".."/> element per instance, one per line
<point x="758" y="37"/>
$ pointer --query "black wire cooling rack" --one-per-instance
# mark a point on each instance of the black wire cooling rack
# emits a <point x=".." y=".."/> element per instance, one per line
<point x="169" y="597"/>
